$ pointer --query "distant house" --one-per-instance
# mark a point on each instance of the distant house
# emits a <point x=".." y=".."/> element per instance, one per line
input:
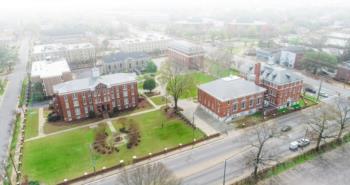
<point x="50" y="73"/>
<point x="343" y="72"/>
<point x="186" y="54"/>
<point x="230" y="97"/>
<point x="125" y="62"/>
<point x="291" y="57"/>
<point x="268" y="54"/>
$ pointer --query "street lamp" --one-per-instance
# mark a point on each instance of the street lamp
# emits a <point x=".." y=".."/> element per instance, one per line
<point x="93" y="161"/>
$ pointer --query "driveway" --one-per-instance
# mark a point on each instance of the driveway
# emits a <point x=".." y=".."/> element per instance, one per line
<point x="331" y="168"/>
<point x="202" y="119"/>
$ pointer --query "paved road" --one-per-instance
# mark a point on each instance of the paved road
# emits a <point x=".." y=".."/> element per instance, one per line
<point x="8" y="105"/>
<point x="327" y="169"/>
<point x="204" y="165"/>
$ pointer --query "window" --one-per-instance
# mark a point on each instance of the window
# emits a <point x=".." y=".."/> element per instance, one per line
<point x="251" y="102"/>
<point x="126" y="101"/>
<point x="125" y="93"/>
<point x="67" y="105"/>
<point x="113" y="104"/>
<point x="243" y="105"/>
<point x="235" y="107"/>
<point x="228" y="102"/>
<point x="65" y="98"/>
<point x="77" y="111"/>
<point x="258" y="101"/>
<point x="69" y="114"/>
<point x="86" y="109"/>
<point x="75" y="96"/>
<point x="76" y="103"/>
<point x="91" y="108"/>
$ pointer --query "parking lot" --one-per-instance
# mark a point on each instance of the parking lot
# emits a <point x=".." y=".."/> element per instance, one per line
<point x="329" y="168"/>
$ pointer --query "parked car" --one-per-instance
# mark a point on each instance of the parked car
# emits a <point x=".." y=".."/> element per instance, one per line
<point x="294" y="146"/>
<point x="303" y="142"/>
<point x="286" y="128"/>
<point x="310" y="90"/>
<point x="323" y="94"/>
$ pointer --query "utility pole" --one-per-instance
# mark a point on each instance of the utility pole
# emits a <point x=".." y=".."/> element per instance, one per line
<point x="319" y="90"/>
<point x="224" y="180"/>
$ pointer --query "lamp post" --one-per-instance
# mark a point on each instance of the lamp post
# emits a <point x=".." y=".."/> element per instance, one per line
<point x="93" y="162"/>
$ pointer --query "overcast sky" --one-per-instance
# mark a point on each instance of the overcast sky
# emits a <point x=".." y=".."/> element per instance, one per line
<point x="62" y="5"/>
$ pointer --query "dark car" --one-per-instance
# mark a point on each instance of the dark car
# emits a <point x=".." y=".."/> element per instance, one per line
<point x="286" y="128"/>
<point x="310" y="90"/>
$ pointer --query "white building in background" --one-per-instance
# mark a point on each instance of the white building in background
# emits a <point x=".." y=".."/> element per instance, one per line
<point x="146" y="43"/>
<point x="80" y="55"/>
<point x="50" y="73"/>
<point x="77" y="55"/>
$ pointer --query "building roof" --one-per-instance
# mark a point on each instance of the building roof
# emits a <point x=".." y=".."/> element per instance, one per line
<point x="278" y="75"/>
<point x="79" y="46"/>
<point x="345" y="65"/>
<point x="231" y="87"/>
<point x="294" y="49"/>
<point x="48" y="48"/>
<point x="46" y="69"/>
<point x="186" y="47"/>
<point x="85" y="84"/>
<point x="123" y="56"/>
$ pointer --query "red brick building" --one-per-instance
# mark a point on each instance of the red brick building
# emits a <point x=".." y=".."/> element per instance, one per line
<point x="343" y="73"/>
<point x="73" y="100"/>
<point x="186" y="54"/>
<point x="230" y="97"/>
<point x="283" y="86"/>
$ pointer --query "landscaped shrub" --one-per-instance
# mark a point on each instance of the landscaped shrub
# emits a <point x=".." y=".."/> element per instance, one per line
<point x="53" y="117"/>
<point x="134" y="134"/>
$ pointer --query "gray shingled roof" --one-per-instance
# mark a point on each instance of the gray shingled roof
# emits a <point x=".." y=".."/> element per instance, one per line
<point x="90" y="83"/>
<point x="278" y="75"/>
<point x="231" y="87"/>
<point x="122" y="56"/>
<point x="186" y="47"/>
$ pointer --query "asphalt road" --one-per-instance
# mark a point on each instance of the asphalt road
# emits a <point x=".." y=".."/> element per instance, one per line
<point x="326" y="169"/>
<point x="205" y="165"/>
<point x="10" y="99"/>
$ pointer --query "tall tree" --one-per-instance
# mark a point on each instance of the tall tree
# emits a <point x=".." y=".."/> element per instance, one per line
<point x="149" y="84"/>
<point x="151" y="174"/>
<point x="151" y="67"/>
<point x="342" y="111"/>
<point x="7" y="57"/>
<point x="177" y="84"/>
<point x="258" y="157"/>
<point x="319" y="122"/>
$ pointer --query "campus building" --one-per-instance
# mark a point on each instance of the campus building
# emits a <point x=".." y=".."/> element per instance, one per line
<point x="125" y="62"/>
<point x="77" y="55"/>
<point x="283" y="86"/>
<point x="50" y="73"/>
<point x="291" y="57"/>
<point x="230" y="97"/>
<point x="148" y="43"/>
<point x="186" y="54"/>
<point x="75" y="99"/>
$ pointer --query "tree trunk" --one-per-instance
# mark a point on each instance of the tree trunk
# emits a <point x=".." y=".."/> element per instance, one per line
<point x="340" y="133"/>
<point x="318" y="142"/>
<point x="175" y="103"/>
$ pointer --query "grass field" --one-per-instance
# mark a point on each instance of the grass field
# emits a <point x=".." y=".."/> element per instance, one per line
<point x="32" y="124"/>
<point x="67" y="155"/>
<point x="198" y="78"/>
<point x="219" y="71"/>
<point x="159" y="100"/>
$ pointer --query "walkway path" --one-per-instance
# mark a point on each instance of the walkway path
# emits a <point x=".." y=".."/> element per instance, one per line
<point x="111" y="127"/>
<point x="41" y="122"/>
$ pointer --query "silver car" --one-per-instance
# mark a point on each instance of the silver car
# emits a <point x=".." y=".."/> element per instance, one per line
<point x="294" y="146"/>
<point x="303" y="142"/>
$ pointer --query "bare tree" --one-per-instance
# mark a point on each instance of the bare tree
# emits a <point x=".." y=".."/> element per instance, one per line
<point x="151" y="174"/>
<point x="177" y="84"/>
<point x="258" y="158"/>
<point x="342" y="111"/>
<point x="319" y="123"/>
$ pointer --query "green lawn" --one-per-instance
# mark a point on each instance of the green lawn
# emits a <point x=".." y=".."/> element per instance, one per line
<point x="219" y="71"/>
<point x="32" y="124"/>
<point x="198" y="78"/>
<point x="159" y="100"/>
<point x="51" y="127"/>
<point x="67" y="155"/>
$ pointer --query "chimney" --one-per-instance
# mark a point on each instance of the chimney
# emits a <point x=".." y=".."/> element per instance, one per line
<point x="257" y="68"/>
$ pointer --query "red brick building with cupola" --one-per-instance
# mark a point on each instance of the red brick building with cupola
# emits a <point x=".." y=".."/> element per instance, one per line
<point x="73" y="100"/>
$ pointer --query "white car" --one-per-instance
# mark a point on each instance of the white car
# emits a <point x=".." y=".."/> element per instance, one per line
<point x="294" y="146"/>
<point x="303" y="142"/>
